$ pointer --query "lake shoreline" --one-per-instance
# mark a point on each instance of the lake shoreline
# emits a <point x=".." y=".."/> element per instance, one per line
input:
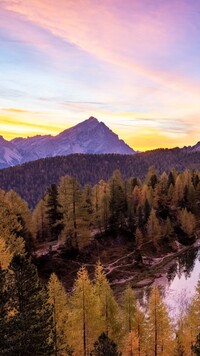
<point x="154" y="271"/>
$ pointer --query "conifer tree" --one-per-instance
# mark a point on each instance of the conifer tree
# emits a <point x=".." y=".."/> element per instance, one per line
<point x="84" y="315"/>
<point x="53" y="212"/>
<point x="105" y="347"/>
<point x="109" y="309"/>
<point x="164" y="182"/>
<point x="29" y="328"/>
<point x="105" y="198"/>
<point x="58" y="300"/>
<point x="5" y="255"/>
<point x="70" y="200"/>
<point x="168" y="229"/>
<point x="178" y="191"/>
<point x="129" y="309"/>
<point x="23" y="215"/>
<point x="139" y="327"/>
<point x="146" y="211"/>
<point x="136" y="197"/>
<point x="134" y="325"/>
<point x="96" y="202"/>
<point x="117" y="204"/>
<point x="160" y="332"/>
<point x="10" y="227"/>
<point x="86" y="216"/>
<point x="153" y="228"/>
<point x="187" y="222"/>
<point x="40" y="226"/>
<point x="171" y="179"/>
<point x="131" y="345"/>
<point x="151" y="177"/>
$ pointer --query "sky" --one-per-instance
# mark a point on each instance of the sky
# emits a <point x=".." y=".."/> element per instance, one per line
<point x="133" y="64"/>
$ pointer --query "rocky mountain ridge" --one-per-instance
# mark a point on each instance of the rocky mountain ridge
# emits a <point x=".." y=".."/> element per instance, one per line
<point x="88" y="137"/>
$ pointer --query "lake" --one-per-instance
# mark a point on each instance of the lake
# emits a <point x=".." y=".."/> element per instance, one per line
<point x="180" y="280"/>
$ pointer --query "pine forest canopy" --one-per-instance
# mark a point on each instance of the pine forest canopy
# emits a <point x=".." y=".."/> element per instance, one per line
<point x="31" y="180"/>
<point x="159" y="211"/>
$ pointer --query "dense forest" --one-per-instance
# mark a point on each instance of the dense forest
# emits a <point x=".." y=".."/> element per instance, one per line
<point x="159" y="210"/>
<point x="31" y="180"/>
<point x="38" y="318"/>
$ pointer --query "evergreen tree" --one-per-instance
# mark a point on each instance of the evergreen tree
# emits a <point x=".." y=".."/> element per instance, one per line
<point x="129" y="309"/>
<point x="23" y="215"/>
<point x="70" y="200"/>
<point x="153" y="228"/>
<point x="10" y="227"/>
<point x="131" y="346"/>
<point x="109" y="309"/>
<point x="168" y="229"/>
<point x="105" y="347"/>
<point x="58" y="300"/>
<point x="96" y="200"/>
<point x="160" y="332"/>
<point x="139" y="328"/>
<point x="29" y="328"/>
<point x="151" y="177"/>
<point x="178" y="191"/>
<point x="117" y="204"/>
<point x="5" y="255"/>
<point x="86" y="217"/>
<point x="53" y="212"/>
<point x="187" y="222"/>
<point x="84" y="315"/>
<point x="171" y="179"/>
<point x="105" y="198"/>
<point x="146" y="211"/>
<point x="40" y="226"/>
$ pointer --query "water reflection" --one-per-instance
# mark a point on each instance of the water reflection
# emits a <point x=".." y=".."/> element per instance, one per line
<point x="178" y="283"/>
<point x="184" y="265"/>
<point x="183" y="276"/>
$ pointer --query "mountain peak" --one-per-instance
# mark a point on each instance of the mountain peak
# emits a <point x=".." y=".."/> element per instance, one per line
<point x="92" y="119"/>
<point x="2" y="139"/>
<point x="90" y="136"/>
<point x="88" y="122"/>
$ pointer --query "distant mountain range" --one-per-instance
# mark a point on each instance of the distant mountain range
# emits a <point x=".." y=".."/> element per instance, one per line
<point x="89" y="136"/>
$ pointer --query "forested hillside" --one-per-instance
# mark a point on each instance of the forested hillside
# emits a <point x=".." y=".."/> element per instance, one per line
<point x="161" y="212"/>
<point x="31" y="180"/>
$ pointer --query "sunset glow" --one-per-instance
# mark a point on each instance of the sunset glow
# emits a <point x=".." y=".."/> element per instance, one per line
<point x="132" y="64"/>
